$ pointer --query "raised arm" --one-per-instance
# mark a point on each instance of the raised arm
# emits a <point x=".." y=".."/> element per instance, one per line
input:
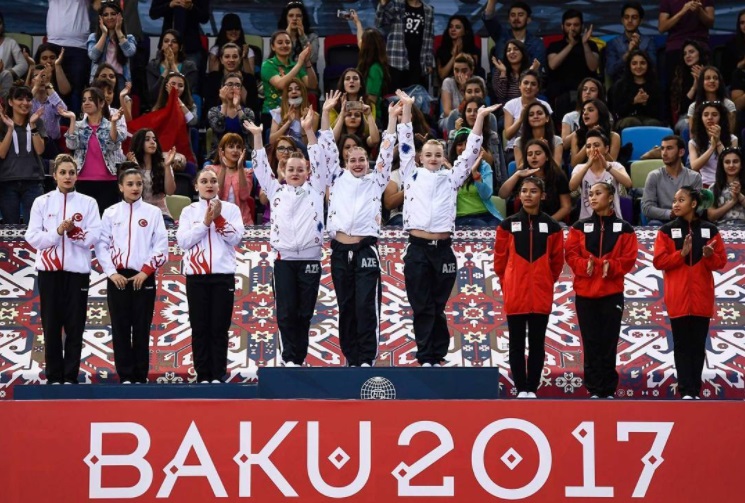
<point x="385" y="156"/>
<point x="466" y="160"/>
<point x="406" y="149"/>
<point x="262" y="170"/>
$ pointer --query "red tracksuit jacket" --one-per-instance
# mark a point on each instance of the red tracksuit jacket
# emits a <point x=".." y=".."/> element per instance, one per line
<point x="528" y="258"/>
<point x="689" y="282"/>
<point x="601" y="238"/>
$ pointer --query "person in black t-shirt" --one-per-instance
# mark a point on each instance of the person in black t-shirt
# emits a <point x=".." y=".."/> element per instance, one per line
<point x="571" y="59"/>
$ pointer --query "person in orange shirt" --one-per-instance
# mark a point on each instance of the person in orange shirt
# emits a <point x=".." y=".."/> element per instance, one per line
<point x="233" y="177"/>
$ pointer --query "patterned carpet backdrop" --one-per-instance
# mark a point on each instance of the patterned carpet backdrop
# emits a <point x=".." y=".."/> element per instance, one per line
<point x="477" y="323"/>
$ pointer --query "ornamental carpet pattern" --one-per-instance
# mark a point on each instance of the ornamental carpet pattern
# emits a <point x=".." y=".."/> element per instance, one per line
<point x="477" y="323"/>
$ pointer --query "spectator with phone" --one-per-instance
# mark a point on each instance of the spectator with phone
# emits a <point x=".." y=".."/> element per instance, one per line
<point x="357" y="118"/>
<point x="295" y="20"/>
<point x="352" y="86"/>
<point x="372" y="63"/>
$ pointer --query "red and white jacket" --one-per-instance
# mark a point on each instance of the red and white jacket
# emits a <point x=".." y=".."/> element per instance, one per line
<point x="133" y="236"/>
<point x="689" y="280"/>
<point x="72" y="251"/>
<point x="209" y="250"/>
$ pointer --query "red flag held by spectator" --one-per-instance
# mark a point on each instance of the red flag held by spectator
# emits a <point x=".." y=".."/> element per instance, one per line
<point x="169" y="125"/>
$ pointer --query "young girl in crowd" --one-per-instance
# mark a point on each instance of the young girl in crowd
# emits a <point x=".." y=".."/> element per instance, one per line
<point x="97" y="143"/>
<point x="346" y="143"/>
<point x="452" y="92"/>
<point x="474" y="204"/>
<point x="357" y="121"/>
<point x="352" y="87"/>
<point x="64" y="224"/>
<point x="429" y="215"/>
<point x="537" y="123"/>
<point x="132" y="246"/>
<point x="121" y="126"/>
<point x="231" y="31"/>
<point x="157" y="170"/>
<point x="295" y="20"/>
<point x="286" y="118"/>
<point x="171" y="58"/>
<point x="474" y="88"/>
<point x="685" y="81"/>
<point x="729" y="201"/>
<point x="354" y="217"/>
<point x="230" y="65"/>
<point x="279" y="70"/>
<point x="234" y="179"/>
<point x="228" y="117"/>
<point x="710" y="135"/>
<point x="710" y="86"/>
<point x="600" y="250"/>
<point x="595" y="115"/>
<point x="21" y="146"/>
<point x="456" y="39"/>
<point x="296" y="238"/>
<point x="588" y="89"/>
<point x="528" y="259"/>
<point x="598" y="169"/>
<point x="51" y="56"/>
<point x="507" y="71"/>
<point x="513" y="109"/>
<point x="539" y="162"/>
<point x="47" y="99"/>
<point x="208" y="232"/>
<point x="186" y="103"/>
<point x="111" y="44"/>
<point x="636" y="97"/>
<point x="491" y="151"/>
<point x="687" y="251"/>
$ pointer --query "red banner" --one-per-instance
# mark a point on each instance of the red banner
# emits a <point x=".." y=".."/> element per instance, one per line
<point x="319" y="451"/>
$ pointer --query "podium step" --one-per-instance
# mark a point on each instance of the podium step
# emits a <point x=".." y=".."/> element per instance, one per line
<point x="379" y="383"/>
<point x="136" y="392"/>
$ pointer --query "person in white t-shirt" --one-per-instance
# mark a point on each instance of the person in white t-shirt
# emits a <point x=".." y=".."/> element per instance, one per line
<point x="68" y="26"/>
<point x="598" y="169"/>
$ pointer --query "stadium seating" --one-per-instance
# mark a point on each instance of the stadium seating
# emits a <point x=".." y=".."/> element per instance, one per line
<point x="643" y="138"/>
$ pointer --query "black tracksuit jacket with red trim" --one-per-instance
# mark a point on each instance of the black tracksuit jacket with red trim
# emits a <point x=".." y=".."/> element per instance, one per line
<point x="528" y="259"/>
<point x="599" y="239"/>
<point x="689" y="282"/>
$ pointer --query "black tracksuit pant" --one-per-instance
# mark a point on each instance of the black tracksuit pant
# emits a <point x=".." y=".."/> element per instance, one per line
<point x="430" y="271"/>
<point x="131" y="313"/>
<point x="536" y="325"/>
<point x="689" y="351"/>
<point x="63" y="299"/>
<point x="355" y="269"/>
<point x="211" y="298"/>
<point x="296" y="285"/>
<point x="600" y="326"/>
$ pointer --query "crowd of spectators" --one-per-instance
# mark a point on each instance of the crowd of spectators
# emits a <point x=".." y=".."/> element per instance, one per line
<point x="92" y="90"/>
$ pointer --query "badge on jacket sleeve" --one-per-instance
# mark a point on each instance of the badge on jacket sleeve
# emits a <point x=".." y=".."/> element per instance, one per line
<point x="517" y="226"/>
<point x="706" y="233"/>
<point x="543" y="227"/>
<point x="617" y="226"/>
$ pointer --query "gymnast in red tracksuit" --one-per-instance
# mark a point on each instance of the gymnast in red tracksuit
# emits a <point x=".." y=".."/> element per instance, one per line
<point x="528" y="258"/>
<point x="687" y="250"/>
<point x="600" y="250"/>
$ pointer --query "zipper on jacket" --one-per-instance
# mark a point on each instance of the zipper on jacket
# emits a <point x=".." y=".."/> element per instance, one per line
<point x="64" y="216"/>
<point x="602" y="231"/>
<point x="530" y="233"/>
<point x="129" y="236"/>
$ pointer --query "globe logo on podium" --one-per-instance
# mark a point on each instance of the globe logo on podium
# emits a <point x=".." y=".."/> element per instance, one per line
<point x="378" y="388"/>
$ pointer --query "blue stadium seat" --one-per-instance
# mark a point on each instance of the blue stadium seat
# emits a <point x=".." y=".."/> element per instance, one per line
<point x="511" y="168"/>
<point x="643" y="138"/>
